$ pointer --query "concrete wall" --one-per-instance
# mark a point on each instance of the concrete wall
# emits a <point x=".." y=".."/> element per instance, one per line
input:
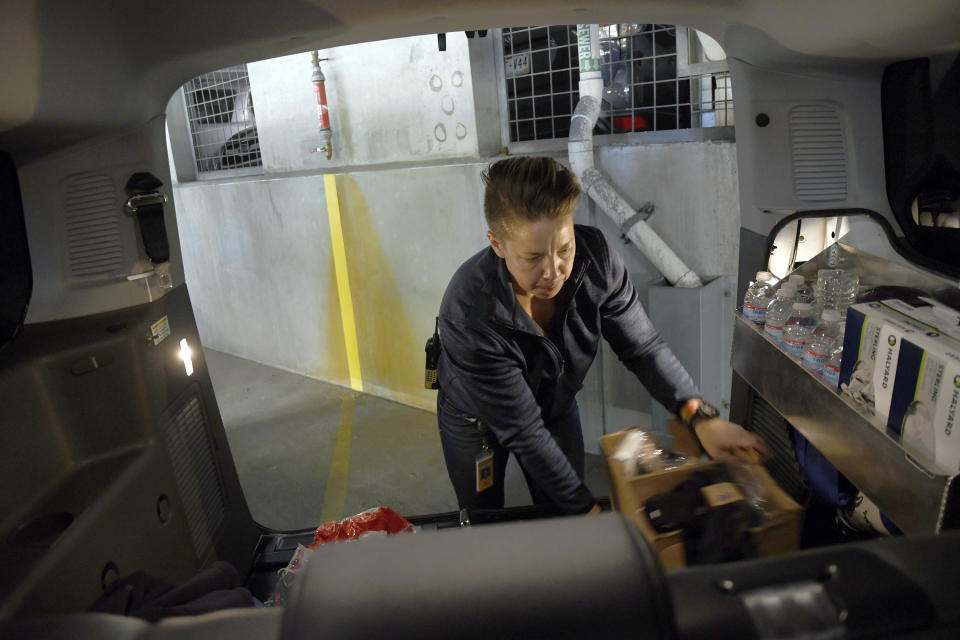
<point x="392" y="101"/>
<point x="257" y="251"/>
<point x="260" y="269"/>
<point x="694" y="188"/>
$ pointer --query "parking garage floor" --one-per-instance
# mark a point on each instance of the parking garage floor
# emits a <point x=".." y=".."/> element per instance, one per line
<point x="308" y="451"/>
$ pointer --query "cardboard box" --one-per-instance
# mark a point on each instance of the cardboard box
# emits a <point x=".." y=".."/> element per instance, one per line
<point x="925" y="408"/>
<point x="930" y="312"/>
<point x="683" y="442"/>
<point x="780" y="533"/>
<point x="913" y="385"/>
<point x="871" y="348"/>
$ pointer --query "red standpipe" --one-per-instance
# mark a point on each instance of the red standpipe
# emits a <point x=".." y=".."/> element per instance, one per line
<point x="323" y="112"/>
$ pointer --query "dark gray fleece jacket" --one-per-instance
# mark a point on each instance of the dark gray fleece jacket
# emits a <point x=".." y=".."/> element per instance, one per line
<point x="498" y="366"/>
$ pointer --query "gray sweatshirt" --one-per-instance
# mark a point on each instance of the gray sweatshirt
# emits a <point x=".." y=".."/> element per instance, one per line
<point x="498" y="366"/>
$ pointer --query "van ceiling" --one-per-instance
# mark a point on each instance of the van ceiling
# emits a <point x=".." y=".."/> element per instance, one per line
<point x="73" y="70"/>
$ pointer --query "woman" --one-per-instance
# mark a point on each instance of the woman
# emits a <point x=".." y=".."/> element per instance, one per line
<point x="520" y="324"/>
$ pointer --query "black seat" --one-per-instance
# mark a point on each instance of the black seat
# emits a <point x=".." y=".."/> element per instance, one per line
<point x="584" y="577"/>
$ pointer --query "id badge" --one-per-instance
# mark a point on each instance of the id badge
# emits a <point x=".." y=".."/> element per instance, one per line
<point x="484" y="470"/>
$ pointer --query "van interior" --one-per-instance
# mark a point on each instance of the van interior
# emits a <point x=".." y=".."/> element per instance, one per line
<point x="115" y="461"/>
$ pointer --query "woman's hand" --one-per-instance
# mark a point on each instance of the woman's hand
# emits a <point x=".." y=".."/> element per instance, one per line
<point x="720" y="439"/>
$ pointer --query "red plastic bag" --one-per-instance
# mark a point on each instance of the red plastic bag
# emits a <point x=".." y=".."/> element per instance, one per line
<point x="379" y="519"/>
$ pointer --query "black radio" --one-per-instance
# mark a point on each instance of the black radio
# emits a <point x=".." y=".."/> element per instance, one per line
<point x="433" y="356"/>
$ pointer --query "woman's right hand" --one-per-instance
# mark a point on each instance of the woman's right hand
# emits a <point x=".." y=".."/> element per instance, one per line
<point x="721" y="439"/>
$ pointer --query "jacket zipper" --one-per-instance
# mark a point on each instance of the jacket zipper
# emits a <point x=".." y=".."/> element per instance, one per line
<point x="550" y="346"/>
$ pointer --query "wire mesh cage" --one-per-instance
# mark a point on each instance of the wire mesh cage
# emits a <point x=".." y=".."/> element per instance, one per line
<point x="648" y="81"/>
<point x="223" y="127"/>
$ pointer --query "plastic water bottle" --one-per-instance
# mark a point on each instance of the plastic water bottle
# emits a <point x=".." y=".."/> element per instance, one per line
<point x="758" y="298"/>
<point x="831" y="366"/>
<point x="836" y="289"/>
<point x="804" y="292"/>
<point x="817" y="348"/>
<point x="779" y="311"/>
<point x="799" y="328"/>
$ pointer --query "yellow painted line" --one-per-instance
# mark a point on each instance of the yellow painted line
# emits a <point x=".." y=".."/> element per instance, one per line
<point x="343" y="283"/>
<point x="335" y="495"/>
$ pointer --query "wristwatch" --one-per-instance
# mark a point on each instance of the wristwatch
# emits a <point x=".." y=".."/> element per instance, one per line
<point x="704" y="411"/>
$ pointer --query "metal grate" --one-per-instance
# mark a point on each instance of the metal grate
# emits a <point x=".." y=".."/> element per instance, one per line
<point x="92" y="227"/>
<point x="220" y="114"/>
<point x="776" y="433"/>
<point x="194" y="466"/>
<point x="644" y="89"/>
<point x="818" y="153"/>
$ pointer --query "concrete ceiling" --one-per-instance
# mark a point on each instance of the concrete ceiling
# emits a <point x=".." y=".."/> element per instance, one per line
<point x="71" y="70"/>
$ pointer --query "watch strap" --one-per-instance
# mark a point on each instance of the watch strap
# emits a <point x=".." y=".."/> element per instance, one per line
<point x="695" y="409"/>
<point x="688" y="410"/>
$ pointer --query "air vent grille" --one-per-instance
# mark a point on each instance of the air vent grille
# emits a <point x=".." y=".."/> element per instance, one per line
<point x="92" y="227"/>
<point x="195" y="468"/>
<point x="775" y="431"/>
<point x="818" y="153"/>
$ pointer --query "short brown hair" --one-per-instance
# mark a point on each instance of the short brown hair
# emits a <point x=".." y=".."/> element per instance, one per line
<point x="526" y="189"/>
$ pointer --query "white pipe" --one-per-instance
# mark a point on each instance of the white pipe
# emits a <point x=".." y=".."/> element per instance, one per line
<point x="640" y="233"/>
<point x="580" y="143"/>
<point x="595" y="184"/>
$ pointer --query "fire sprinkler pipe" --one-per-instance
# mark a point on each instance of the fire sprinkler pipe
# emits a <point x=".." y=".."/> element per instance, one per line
<point x="598" y="186"/>
<point x="323" y="113"/>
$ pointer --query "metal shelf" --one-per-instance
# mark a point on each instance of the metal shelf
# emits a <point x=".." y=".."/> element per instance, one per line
<point x="918" y="500"/>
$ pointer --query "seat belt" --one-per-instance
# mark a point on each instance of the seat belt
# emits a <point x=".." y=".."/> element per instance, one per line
<point x="145" y="202"/>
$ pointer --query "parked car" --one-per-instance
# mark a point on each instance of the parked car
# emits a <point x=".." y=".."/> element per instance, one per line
<point x="222" y="120"/>
<point x="641" y="89"/>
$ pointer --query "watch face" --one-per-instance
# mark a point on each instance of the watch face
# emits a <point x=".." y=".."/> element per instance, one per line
<point x="708" y="410"/>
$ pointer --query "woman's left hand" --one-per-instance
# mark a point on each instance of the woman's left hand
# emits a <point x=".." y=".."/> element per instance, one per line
<point x="720" y="439"/>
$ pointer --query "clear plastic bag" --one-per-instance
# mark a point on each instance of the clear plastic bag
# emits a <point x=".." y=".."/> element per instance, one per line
<point x="641" y="453"/>
<point x="288" y="576"/>
<point x="751" y="483"/>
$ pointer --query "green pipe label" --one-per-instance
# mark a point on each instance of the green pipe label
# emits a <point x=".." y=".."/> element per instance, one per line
<point x="587" y="62"/>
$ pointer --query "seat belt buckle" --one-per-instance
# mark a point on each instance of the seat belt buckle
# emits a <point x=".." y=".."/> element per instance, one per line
<point x="136" y="202"/>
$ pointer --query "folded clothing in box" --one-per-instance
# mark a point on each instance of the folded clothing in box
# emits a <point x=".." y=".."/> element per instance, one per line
<point x="713" y="513"/>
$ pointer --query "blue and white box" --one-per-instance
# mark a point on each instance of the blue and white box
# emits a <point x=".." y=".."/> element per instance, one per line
<point x="925" y="406"/>
<point x="928" y="311"/>
<point x="871" y="349"/>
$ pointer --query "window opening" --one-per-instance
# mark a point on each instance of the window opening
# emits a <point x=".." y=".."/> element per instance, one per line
<point x="656" y="77"/>
<point x="220" y="114"/>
